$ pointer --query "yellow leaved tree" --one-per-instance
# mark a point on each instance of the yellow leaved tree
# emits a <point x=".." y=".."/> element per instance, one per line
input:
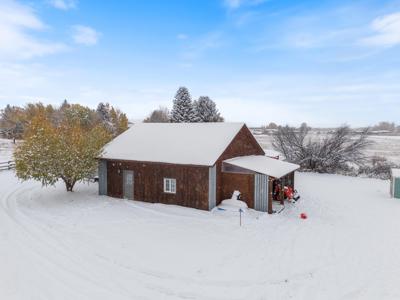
<point x="64" y="150"/>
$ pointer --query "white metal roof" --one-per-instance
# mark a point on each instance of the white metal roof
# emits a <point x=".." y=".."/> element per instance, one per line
<point x="177" y="143"/>
<point x="264" y="165"/>
<point x="396" y="173"/>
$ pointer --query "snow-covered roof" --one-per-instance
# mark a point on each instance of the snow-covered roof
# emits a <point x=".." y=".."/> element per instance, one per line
<point x="177" y="143"/>
<point x="396" y="173"/>
<point x="264" y="165"/>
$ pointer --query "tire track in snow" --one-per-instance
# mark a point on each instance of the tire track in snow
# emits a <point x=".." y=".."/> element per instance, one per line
<point x="36" y="246"/>
<point x="63" y="261"/>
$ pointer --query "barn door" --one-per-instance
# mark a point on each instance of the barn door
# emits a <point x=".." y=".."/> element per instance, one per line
<point x="128" y="184"/>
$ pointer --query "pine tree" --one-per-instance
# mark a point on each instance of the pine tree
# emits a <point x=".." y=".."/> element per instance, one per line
<point x="112" y="119"/>
<point x="183" y="110"/>
<point x="206" y="110"/>
<point x="103" y="111"/>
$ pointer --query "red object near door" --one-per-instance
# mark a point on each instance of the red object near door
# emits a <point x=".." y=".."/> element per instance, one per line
<point x="303" y="216"/>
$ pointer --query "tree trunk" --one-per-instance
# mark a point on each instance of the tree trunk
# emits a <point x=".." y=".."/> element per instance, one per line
<point x="69" y="184"/>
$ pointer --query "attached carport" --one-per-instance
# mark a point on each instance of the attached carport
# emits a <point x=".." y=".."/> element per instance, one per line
<point x="265" y="170"/>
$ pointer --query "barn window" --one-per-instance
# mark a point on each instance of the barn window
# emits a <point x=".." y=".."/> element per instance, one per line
<point x="169" y="185"/>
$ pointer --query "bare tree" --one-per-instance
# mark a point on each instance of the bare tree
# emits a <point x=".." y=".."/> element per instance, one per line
<point x="333" y="153"/>
<point x="160" y="115"/>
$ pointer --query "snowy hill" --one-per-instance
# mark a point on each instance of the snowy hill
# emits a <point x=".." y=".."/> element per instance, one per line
<point x="58" y="245"/>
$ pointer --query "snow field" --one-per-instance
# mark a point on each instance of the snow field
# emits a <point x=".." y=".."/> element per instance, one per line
<point x="6" y="150"/>
<point x="59" y="245"/>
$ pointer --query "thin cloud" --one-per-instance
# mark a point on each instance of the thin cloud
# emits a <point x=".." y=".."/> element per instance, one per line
<point x="182" y="36"/>
<point x="63" y="4"/>
<point x="387" y="31"/>
<point x="17" y="21"/>
<point x="85" y="35"/>
<point x="199" y="47"/>
<point x="235" y="4"/>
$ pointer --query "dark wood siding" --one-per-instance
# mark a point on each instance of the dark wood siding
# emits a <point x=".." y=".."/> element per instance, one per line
<point x="243" y="144"/>
<point x="191" y="182"/>
<point x="241" y="182"/>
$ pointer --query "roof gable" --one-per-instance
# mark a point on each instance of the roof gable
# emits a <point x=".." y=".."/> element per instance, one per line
<point x="177" y="143"/>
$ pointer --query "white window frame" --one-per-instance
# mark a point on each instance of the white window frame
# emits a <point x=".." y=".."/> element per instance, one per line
<point x="170" y="185"/>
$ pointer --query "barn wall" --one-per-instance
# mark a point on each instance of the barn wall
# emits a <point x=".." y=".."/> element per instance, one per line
<point x="191" y="182"/>
<point x="243" y="144"/>
<point x="241" y="182"/>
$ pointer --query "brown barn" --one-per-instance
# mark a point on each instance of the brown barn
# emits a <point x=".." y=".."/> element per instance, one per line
<point x="190" y="164"/>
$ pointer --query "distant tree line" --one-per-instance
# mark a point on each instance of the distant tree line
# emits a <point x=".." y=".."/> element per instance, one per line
<point x="15" y="119"/>
<point x="185" y="110"/>
<point x="384" y="127"/>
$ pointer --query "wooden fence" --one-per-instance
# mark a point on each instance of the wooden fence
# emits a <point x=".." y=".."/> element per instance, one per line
<point x="7" y="165"/>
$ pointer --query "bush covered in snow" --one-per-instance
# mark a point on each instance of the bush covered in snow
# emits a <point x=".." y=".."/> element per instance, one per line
<point x="379" y="167"/>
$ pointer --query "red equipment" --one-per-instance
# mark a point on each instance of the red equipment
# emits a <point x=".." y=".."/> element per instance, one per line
<point x="303" y="216"/>
<point x="288" y="192"/>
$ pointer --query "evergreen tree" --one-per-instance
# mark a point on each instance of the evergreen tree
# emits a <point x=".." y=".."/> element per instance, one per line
<point x="103" y="111"/>
<point x="112" y="119"/>
<point x="183" y="110"/>
<point x="64" y="105"/>
<point x="206" y="110"/>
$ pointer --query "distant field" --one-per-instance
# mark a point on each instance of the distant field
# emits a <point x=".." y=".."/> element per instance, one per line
<point x="385" y="146"/>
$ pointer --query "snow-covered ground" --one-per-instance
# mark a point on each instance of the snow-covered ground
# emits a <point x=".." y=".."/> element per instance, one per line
<point x="6" y="150"/>
<point x="59" y="245"/>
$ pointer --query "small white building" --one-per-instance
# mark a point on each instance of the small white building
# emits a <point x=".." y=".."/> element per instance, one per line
<point x="395" y="183"/>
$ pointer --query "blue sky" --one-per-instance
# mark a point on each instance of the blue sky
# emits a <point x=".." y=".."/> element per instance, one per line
<point x="323" y="62"/>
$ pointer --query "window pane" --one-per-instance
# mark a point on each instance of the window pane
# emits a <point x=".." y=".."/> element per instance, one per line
<point x="173" y="185"/>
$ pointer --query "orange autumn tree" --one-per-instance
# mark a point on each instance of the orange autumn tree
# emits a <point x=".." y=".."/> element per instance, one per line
<point x="65" y="150"/>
